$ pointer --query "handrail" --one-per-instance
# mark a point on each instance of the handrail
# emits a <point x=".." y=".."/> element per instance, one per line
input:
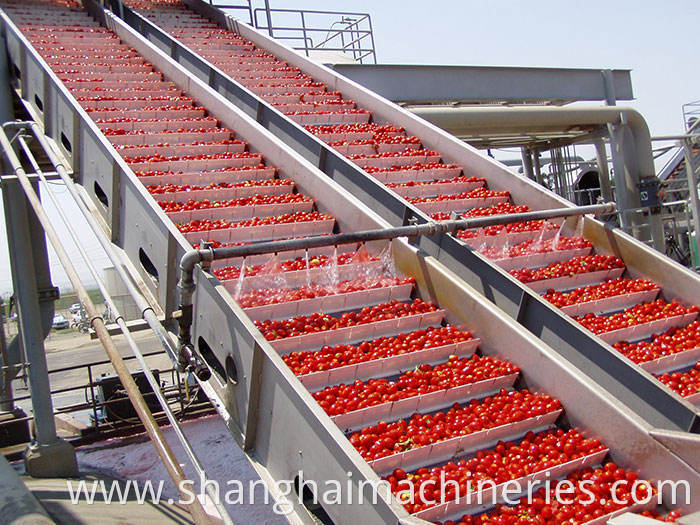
<point x="354" y="45"/>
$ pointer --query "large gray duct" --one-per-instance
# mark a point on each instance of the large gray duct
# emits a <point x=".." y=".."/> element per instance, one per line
<point x="632" y="154"/>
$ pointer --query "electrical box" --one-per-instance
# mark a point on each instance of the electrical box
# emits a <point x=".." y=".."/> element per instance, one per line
<point x="119" y="408"/>
<point x="649" y="192"/>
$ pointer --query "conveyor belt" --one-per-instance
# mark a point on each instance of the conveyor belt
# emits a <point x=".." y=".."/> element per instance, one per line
<point x="389" y="380"/>
<point x="536" y="253"/>
<point x="640" y="392"/>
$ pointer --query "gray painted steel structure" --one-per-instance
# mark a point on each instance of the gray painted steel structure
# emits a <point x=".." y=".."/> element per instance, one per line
<point x="415" y="84"/>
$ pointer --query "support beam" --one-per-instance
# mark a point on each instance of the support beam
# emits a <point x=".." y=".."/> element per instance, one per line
<point x="693" y="190"/>
<point x="6" y="398"/>
<point x="527" y="163"/>
<point x="427" y="83"/>
<point x="47" y="455"/>
<point x="603" y="170"/>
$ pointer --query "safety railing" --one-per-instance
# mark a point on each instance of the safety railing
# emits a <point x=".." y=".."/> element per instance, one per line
<point x="235" y="9"/>
<point x="311" y="30"/>
<point x="175" y="390"/>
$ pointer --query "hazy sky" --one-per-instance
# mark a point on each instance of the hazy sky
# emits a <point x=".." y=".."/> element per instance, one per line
<point x="658" y="41"/>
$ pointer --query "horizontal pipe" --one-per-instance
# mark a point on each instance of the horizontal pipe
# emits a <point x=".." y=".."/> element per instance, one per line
<point x="430" y="228"/>
<point x="485" y="120"/>
<point x="186" y="285"/>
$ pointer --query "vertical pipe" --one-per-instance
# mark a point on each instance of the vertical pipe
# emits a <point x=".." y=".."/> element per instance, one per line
<point x="527" y="163"/>
<point x="303" y="32"/>
<point x="695" y="205"/>
<point x="269" y="18"/>
<point x="603" y="170"/>
<point x="6" y="399"/>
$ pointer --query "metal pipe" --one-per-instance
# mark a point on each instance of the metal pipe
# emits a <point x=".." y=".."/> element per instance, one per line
<point x="189" y="260"/>
<point x="152" y="429"/>
<point x="155" y="386"/>
<point x="694" y="201"/>
<point x="626" y="125"/>
<point x="186" y="362"/>
<point x="269" y="18"/>
<point x="461" y="120"/>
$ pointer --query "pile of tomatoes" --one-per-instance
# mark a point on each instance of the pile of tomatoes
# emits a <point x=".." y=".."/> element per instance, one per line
<point x="329" y="357"/>
<point x="359" y="111"/>
<point x="574" y="266"/>
<point x="478" y="193"/>
<point x="595" y="292"/>
<point x="508" y="406"/>
<point x="182" y="107"/>
<point x="293" y="265"/>
<point x="416" y="166"/>
<point x="461" y="179"/>
<point x="354" y="128"/>
<point x="585" y="495"/>
<point x="339" y="399"/>
<point x="408" y="152"/>
<point x="376" y="141"/>
<point x="634" y="315"/>
<point x="534" y="246"/>
<point x="672" y="341"/>
<point x="250" y="167"/>
<point x="285" y="198"/>
<point x="685" y="383"/>
<point x="267" y="296"/>
<point x="320" y="322"/>
<point x="177" y="188"/>
<point x="508" y="460"/>
<point x="157" y="157"/>
<point x="221" y="224"/>
<point x="223" y="142"/>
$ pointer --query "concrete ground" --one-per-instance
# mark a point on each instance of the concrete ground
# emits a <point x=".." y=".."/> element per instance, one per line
<point x="54" y="496"/>
<point x="133" y="462"/>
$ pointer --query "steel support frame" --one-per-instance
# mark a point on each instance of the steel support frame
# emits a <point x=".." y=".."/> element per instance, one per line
<point x="47" y="455"/>
<point x="410" y="84"/>
<point x="691" y="174"/>
<point x="638" y="389"/>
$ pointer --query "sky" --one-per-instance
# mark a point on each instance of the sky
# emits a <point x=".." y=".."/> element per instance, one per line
<point x="658" y="41"/>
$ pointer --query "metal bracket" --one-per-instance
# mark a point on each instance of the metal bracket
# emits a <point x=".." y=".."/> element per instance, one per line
<point x="48" y="294"/>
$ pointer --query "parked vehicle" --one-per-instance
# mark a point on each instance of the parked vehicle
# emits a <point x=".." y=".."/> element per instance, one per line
<point x="60" y="322"/>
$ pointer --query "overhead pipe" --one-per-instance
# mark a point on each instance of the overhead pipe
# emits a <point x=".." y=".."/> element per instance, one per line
<point x="494" y="119"/>
<point x="186" y="285"/>
<point x="97" y="322"/>
<point x="630" y="170"/>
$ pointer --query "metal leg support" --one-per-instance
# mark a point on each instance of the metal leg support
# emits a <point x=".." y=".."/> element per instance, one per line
<point x="47" y="455"/>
